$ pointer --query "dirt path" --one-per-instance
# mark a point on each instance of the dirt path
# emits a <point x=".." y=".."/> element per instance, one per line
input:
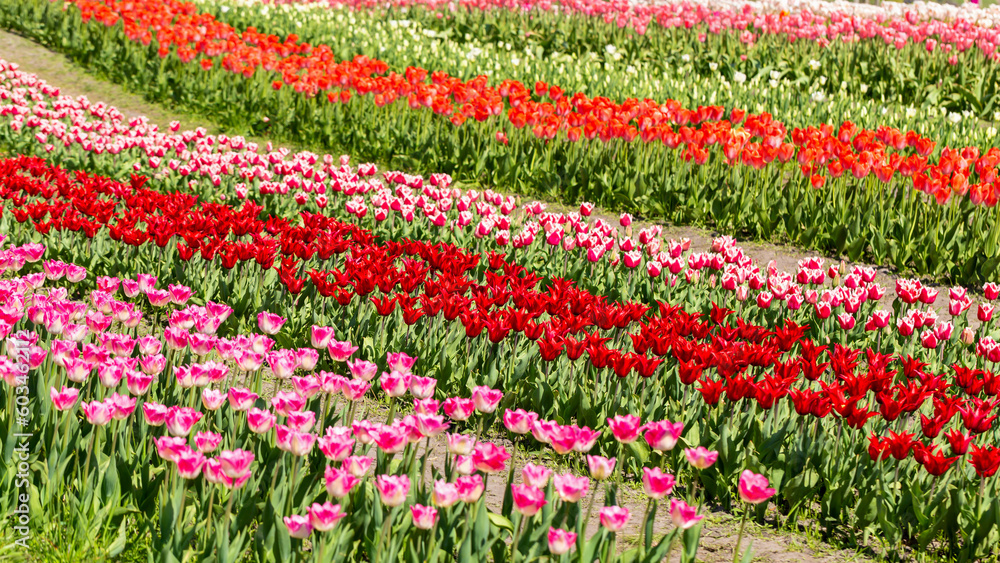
<point x="720" y="529"/>
<point x="70" y="78"/>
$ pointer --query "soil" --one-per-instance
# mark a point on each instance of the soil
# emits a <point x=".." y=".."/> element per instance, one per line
<point x="720" y="529"/>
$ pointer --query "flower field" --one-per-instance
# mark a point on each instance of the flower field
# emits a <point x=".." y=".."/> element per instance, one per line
<point x="218" y="348"/>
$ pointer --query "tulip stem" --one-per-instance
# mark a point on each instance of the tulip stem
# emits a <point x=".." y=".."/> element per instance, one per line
<point x="739" y="537"/>
<point x="208" y="517"/>
<point x="90" y="449"/>
<point x="180" y="513"/>
<point x="517" y="539"/>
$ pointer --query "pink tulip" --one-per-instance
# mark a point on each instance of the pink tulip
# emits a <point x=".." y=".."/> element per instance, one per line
<point x="528" y="500"/>
<point x="625" y="428"/>
<point x="390" y="439"/>
<point x="656" y="483"/>
<point x="154" y="413"/>
<point x="355" y="389"/>
<point x="536" y="475"/>
<point x="683" y="516"/>
<point x="292" y="441"/>
<point x="170" y="448"/>
<point x="395" y="384"/>
<point x="560" y="541"/>
<point x="392" y="489"/>
<point x="470" y="488"/>
<point x="458" y="408"/>
<point x="65" y="399"/>
<point x="207" y="441"/>
<point x="400" y="361"/>
<point x="270" y="323"/>
<point x="461" y="444"/>
<point x="358" y="465"/>
<point x="426" y="406"/>
<point x="424" y="517"/>
<point x="98" y="413"/>
<point x="323" y="517"/>
<point x="753" y="487"/>
<point x="662" y="436"/>
<point x="431" y="424"/>
<point x="235" y="463"/>
<point x="445" y="494"/>
<point x="614" y="518"/>
<point x="301" y="421"/>
<point x="362" y="369"/>
<point x="241" y="399"/>
<point x="180" y="420"/>
<point x="570" y="487"/>
<point x="298" y="526"/>
<point x="260" y="421"/>
<point x="339" y="482"/>
<point x="320" y="336"/>
<point x="485" y="399"/>
<point x="490" y="458"/>
<point x="337" y="443"/>
<point x="189" y="464"/>
<point x="601" y="468"/>
<point x="519" y="421"/>
<point x="212" y="399"/>
<point x="700" y="457"/>
<point x="340" y="351"/>
<point x="422" y="387"/>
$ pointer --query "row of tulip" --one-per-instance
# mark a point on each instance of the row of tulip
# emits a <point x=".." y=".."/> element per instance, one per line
<point x="215" y="440"/>
<point x="845" y="60"/>
<point x="904" y="225"/>
<point x="697" y="349"/>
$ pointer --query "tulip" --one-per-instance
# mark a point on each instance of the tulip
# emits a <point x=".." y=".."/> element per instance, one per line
<point x="519" y="421"/>
<point x="490" y="458"/>
<point x="361" y="369"/>
<point x="323" y="517"/>
<point x="98" y="413"/>
<point x="424" y="517"/>
<point x="657" y="484"/>
<point x="753" y="488"/>
<point x="358" y="465"/>
<point x="235" y="463"/>
<point x="470" y="488"/>
<point x="614" y="518"/>
<point x="445" y="494"/>
<point x="570" y="488"/>
<point x="340" y="351"/>
<point x="298" y="526"/>
<point x="180" y="420"/>
<point x="207" y="441"/>
<point x="65" y="399"/>
<point x="536" y="475"/>
<point x="154" y="413"/>
<point x="683" y="515"/>
<point x="663" y="435"/>
<point x="241" y="399"/>
<point x="339" y="482"/>
<point x="392" y="489"/>
<point x="189" y="464"/>
<point x="625" y="428"/>
<point x="601" y="468"/>
<point x="422" y="387"/>
<point x="528" y="500"/>
<point x="485" y="399"/>
<point x="270" y="323"/>
<point x="560" y="541"/>
<point x="700" y="457"/>
<point x="458" y="409"/>
<point x="320" y="336"/>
